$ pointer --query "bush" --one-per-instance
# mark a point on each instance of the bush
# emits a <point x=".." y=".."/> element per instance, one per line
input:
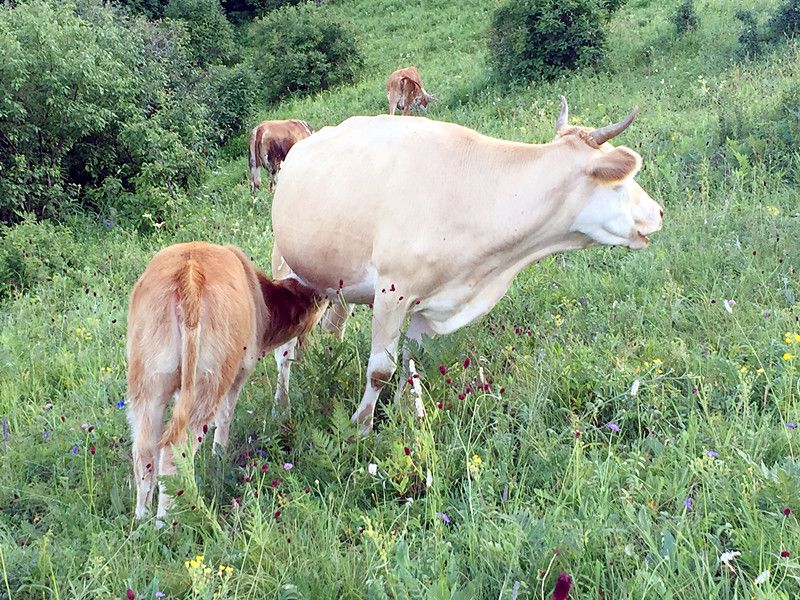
<point x="542" y="39"/>
<point x="210" y="35"/>
<point x="240" y="11"/>
<point x="301" y="49"/>
<point x="786" y="20"/>
<point x="92" y="85"/>
<point x="685" y="18"/>
<point x="750" y="42"/>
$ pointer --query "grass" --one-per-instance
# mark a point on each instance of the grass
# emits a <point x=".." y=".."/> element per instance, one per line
<point x="532" y="479"/>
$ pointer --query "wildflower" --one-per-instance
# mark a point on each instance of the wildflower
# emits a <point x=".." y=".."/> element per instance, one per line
<point x="429" y="479"/>
<point x="694" y="390"/>
<point x="476" y="460"/>
<point x="689" y="503"/>
<point x="160" y="594"/>
<point x="444" y="517"/>
<point x="712" y="453"/>
<point x="788" y="356"/>
<point x="442" y="369"/>
<point x="797" y="337"/>
<point x="634" y="387"/>
<point x="785" y="554"/>
<point x="372" y="469"/>
<point x="287" y="466"/>
<point x="461" y="396"/>
<point x="121" y="404"/>
<point x="466" y="362"/>
<point x="563" y="583"/>
<point x="277" y="514"/>
<point x="504" y="495"/>
<point x="762" y="577"/>
<point x="729" y="304"/>
<point x="92" y="450"/>
<point x="773" y="210"/>
<point x="743" y="369"/>
<point x="613" y="426"/>
<point x="727" y="557"/>
<point x="787" y="511"/>
<point x="759" y="371"/>
<point x="791" y="425"/>
<point x="74" y="449"/>
<point x="407" y="451"/>
<point x="129" y="593"/>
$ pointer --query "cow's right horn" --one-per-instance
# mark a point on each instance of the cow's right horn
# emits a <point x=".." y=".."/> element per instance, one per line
<point x="561" y="122"/>
<point x="603" y="134"/>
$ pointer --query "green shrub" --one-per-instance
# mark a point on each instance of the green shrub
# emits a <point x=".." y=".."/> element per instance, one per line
<point x="685" y="18"/>
<point x="241" y="11"/>
<point x="233" y="94"/>
<point x="750" y="41"/>
<point x="210" y="34"/>
<point x="542" y="39"/>
<point x="613" y="5"/>
<point x="91" y="85"/>
<point x="301" y="49"/>
<point x="786" y="20"/>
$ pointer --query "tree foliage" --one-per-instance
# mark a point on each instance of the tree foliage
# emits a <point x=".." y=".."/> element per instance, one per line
<point x="542" y="39"/>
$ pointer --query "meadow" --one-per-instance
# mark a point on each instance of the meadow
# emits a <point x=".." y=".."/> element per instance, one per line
<point x="626" y="417"/>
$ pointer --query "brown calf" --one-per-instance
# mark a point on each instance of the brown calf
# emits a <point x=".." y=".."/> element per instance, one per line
<point x="269" y="144"/>
<point x="404" y="91"/>
<point x="199" y="319"/>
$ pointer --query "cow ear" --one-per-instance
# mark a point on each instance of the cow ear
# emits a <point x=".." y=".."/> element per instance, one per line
<point x="615" y="167"/>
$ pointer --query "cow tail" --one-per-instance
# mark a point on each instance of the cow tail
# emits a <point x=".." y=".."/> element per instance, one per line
<point x="190" y="290"/>
<point x="254" y="161"/>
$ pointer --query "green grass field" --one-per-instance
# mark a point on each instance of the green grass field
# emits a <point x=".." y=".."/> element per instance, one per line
<point x="532" y="481"/>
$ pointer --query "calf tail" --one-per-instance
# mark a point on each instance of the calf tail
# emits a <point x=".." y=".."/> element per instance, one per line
<point x="190" y="289"/>
<point x="254" y="161"/>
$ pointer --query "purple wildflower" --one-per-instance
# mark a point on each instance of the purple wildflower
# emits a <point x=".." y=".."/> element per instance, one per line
<point x="613" y="426"/>
<point x="712" y="453"/>
<point x="689" y="503"/>
<point x="694" y="389"/>
<point x="121" y="404"/>
<point x="261" y="452"/>
<point x="74" y="449"/>
<point x="287" y="466"/>
<point x="791" y="425"/>
<point x="444" y="517"/>
<point x="46" y="434"/>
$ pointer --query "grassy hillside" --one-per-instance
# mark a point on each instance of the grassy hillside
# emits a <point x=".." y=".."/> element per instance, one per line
<point x="533" y="481"/>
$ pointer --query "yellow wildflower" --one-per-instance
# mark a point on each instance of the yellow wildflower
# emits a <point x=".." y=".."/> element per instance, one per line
<point x="787" y="356"/>
<point x="797" y="337"/>
<point x="773" y="210"/>
<point x="759" y="371"/>
<point x="743" y="369"/>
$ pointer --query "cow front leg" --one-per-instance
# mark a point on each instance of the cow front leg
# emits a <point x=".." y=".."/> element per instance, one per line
<point x="284" y="356"/>
<point x="387" y="321"/>
<point x="335" y="318"/>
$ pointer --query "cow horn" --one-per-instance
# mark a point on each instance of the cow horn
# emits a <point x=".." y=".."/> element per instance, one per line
<point x="561" y="122"/>
<point x="603" y="134"/>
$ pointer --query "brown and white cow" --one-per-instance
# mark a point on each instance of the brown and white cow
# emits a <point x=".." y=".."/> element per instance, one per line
<point x="404" y="90"/>
<point x="200" y="317"/>
<point x="269" y="144"/>
<point x="432" y="220"/>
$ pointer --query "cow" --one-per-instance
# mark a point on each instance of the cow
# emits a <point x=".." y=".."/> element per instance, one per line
<point x="404" y="91"/>
<point x="200" y="317"/>
<point x="269" y="144"/>
<point x="432" y="221"/>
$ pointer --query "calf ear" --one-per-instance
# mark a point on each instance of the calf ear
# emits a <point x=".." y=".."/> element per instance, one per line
<point x="615" y="167"/>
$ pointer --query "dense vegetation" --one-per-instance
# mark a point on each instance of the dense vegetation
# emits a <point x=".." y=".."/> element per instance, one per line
<point x="646" y="424"/>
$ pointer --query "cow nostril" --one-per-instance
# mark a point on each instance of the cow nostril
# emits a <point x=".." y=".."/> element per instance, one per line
<point x="661" y="213"/>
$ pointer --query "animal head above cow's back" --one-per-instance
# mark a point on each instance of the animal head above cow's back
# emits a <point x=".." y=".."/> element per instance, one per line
<point x="617" y="211"/>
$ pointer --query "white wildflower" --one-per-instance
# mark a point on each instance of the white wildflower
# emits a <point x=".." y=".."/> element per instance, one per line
<point x="429" y="479"/>
<point x="372" y="469"/>
<point x="727" y="557"/>
<point x="729" y="304"/>
<point x="635" y="387"/>
<point x="762" y="578"/>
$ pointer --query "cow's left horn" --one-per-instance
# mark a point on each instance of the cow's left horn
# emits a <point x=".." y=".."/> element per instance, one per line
<point x="561" y="122"/>
<point x="603" y="134"/>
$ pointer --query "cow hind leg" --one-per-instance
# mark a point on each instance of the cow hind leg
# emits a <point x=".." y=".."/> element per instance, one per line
<point x="210" y="392"/>
<point x="284" y="356"/>
<point x="146" y="417"/>
<point x="388" y="318"/>
<point x="222" y="420"/>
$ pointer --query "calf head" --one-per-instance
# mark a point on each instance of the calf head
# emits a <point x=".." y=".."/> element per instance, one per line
<point x="613" y="209"/>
